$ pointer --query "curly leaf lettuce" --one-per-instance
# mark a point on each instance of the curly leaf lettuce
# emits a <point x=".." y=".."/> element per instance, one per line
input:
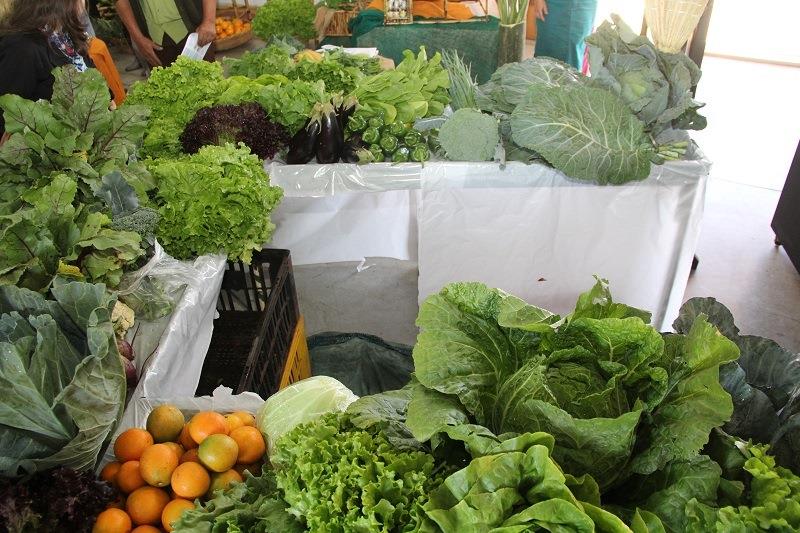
<point x="338" y="478"/>
<point x="62" y="383"/>
<point x="617" y="398"/>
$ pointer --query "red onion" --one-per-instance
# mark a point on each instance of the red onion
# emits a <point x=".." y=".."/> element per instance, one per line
<point x="125" y="349"/>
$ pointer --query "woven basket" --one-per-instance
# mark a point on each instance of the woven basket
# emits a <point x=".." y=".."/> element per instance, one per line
<point x="340" y="19"/>
<point x="236" y="40"/>
<point x="672" y="22"/>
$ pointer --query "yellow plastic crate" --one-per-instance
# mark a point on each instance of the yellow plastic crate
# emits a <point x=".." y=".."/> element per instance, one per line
<point x="298" y="363"/>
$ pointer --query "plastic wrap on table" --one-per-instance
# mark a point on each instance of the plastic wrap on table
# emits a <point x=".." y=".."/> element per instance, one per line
<point x="170" y="350"/>
<point x="222" y="400"/>
<point x="154" y="290"/>
<point x="336" y="178"/>
<point x="365" y="364"/>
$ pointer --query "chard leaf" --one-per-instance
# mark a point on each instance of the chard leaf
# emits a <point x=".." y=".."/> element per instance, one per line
<point x="587" y="133"/>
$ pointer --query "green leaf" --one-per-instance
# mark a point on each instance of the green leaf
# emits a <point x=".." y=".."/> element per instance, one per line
<point x="118" y="194"/>
<point x="430" y="412"/>
<point x="587" y="133"/>
<point x="60" y="407"/>
<point x="81" y="100"/>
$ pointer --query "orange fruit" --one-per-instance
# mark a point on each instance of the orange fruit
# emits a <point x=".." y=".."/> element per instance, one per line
<point x="131" y="443"/>
<point x="173" y="511"/>
<point x="233" y="422"/>
<point x="165" y="423"/>
<point x="146" y="529"/>
<point x="190" y="481"/>
<point x="157" y="464"/>
<point x="246" y="418"/>
<point x="250" y="442"/>
<point x="222" y="480"/>
<point x="218" y="452"/>
<point x="129" y="478"/>
<point x="206" y="423"/>
<point x="146" y="504"/>
<point x="176" y="448"/>
<point x="112" y="521"/>
<point x="109" y="472"/>
<point x="253" y="468"/>
<point x="189" y="456"/>
<point x="186" y="440"/>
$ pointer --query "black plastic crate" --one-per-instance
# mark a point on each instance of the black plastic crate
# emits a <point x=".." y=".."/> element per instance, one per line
<point x="258" y="314"/>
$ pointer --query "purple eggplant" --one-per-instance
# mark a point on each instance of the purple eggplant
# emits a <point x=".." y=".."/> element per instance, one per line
<point x="350" y="152"/>
<point x="303" y="145"/>
<point x="331" y="137"/>
<point x="344" y="110"/>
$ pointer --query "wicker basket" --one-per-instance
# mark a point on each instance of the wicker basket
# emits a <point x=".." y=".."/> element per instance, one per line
<point x="340" y="20"/>
<point x="672" y="22"/>
<point x="244" y="13"/>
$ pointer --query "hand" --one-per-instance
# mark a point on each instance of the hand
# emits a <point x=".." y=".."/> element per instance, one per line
<point x="147" y="49"/>
<point x="206" y="33"/>
<point x="539" y="9"/>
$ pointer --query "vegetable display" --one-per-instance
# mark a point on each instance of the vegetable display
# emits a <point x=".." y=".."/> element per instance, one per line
<point x="196" y="219"/>
<point x="394" y="142"/>
<point x="63" y="388"/>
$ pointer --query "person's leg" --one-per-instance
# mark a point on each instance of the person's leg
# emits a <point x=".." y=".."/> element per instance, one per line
<point x="566" y="25"/>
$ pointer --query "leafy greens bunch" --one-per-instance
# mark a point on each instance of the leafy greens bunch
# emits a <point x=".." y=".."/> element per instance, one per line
<point x="764" y="384"/>
<point x="619" y="398"/>
<point x="417" y="88"/>
<point x="216" y="200"/>
<point x="174" y="94"/>
<point x="50" y="234"/>
<point x="63" y="387"/>
<point x="279" y="18"/>
<point x="338" y="477"/>
<point x="76" y="134"/>
<point x="656" y="85"/>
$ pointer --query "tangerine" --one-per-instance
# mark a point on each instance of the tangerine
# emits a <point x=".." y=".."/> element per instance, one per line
<point x="112" y="521"/>
<point x="218" y="452"/>
<point x="207" y="423"/>
<point x="129" y="478"/>
<point x="251" y="444"/>
<point x="146" y="529"/>
<point x="190" y="481"/>
<point x="222" y="480"/>
<point x="157" y="464"/>
<point x="233" y="422"/>
<point x="131" y="443"/>
<point x="185" y="439"/>
<point x="246" y="418"/>
<point x="189" y="456"/>
<point x="109" y="472"/>
<point x="176" y="448"/>
<point x="173" y="511"/>
<point x="146" y="504"/>
<point x="165" y="423"/>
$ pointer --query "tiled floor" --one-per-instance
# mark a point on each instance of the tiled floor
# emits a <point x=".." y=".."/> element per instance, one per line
<point x="754" y="124"/>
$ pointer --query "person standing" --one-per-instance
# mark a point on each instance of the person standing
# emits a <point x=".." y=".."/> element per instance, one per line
<point x="159" y="28"/>
<point x="36" y="36"/>
<point x="563" y="25"/>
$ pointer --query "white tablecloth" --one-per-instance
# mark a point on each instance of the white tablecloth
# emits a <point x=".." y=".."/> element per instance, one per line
<point x="524" y="228"/>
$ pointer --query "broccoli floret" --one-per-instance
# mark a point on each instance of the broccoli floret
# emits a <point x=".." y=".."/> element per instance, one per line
<point x="469" y="135"/>
<point x="142" y="221"/>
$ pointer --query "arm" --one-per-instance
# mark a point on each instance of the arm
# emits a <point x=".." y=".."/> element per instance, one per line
<point x="206" y="31"/>
<point x="143" y="43"/>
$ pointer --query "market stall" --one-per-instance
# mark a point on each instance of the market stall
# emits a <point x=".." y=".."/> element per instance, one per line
<point x="524" y="228"/>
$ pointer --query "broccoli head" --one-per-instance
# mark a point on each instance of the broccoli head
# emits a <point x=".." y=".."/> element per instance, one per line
<point x="142" y="221"/>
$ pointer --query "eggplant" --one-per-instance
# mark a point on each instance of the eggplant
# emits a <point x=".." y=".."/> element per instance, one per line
<point x="304" y="143"/>
<point x="345" y="110"/>
<point x="350" y="153"/>
<point x="331" y="137"/>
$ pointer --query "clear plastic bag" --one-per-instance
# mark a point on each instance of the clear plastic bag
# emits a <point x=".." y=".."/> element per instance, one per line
<point x="153" y="290"/>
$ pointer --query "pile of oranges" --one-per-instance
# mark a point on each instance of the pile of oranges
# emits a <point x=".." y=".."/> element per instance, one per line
<point x="230" y="26"/>
<point x="160" y="471"/>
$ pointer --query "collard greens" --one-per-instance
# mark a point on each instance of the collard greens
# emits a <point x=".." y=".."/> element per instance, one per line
<point x="617" y="397"/>
<point x="62" y="387"/>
